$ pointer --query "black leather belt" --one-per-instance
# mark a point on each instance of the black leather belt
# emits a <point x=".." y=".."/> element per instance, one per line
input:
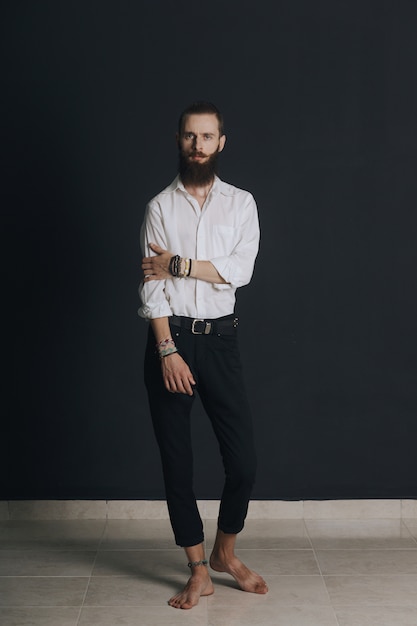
<point x="219" y="326"/>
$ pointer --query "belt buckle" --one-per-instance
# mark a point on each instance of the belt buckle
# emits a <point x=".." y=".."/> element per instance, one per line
<point x="207" y="327"/>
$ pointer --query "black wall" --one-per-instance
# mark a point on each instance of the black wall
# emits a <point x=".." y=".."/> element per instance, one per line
<point x="320" y="101"/>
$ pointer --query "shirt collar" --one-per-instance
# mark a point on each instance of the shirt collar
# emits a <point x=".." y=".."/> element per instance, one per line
<point x="218" y="186"/>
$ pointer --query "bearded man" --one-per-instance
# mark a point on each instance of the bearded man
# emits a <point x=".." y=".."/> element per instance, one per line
<point x="200" y="239"/>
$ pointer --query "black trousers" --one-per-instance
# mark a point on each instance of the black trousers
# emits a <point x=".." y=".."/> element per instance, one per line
<point x="215" y="364"/>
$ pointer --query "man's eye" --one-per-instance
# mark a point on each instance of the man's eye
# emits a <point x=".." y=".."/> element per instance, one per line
<point x="188" y="136"/>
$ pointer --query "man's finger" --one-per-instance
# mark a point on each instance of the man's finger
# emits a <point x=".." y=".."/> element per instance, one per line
<point x="156" y="248"/>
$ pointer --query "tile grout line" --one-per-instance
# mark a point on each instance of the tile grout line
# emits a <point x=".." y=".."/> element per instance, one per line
<point x="321" y="573"/>
<point x="91" y="573"/>
<point x="404" y="523"/>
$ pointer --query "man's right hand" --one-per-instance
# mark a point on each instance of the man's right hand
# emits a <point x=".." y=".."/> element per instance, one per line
<point x="177" y="375"/>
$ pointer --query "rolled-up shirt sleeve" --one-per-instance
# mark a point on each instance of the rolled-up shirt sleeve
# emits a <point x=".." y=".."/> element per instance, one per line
<point x="152" y="293"/>
<point x="237" y="267"/>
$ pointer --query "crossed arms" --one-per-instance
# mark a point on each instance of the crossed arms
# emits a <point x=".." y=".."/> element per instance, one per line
<point x="176" y="374"/>
<point x="157" y="267"/>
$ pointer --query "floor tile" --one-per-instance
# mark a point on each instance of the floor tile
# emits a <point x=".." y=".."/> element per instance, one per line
<point x="266" y="534"/>
<point x="278" y="509"/>
<point x="70" y="534"/>
<point x="411" y="525"/>
<point x="143" y="616"/>
<point x="359" y="534"/>
<point x="141" y="563"/>
<point x="409" y="509"/>
<point x="137" y="509"/>
<point x="319" y="573"/>
<point x="132" y="591"/>
<point x="46" y="563"/>
<point x="362" y="562"/>
<point x="283" y="591"/>
<point x="137" y="534"/>
<point x="372" y="590"/>
<point x="51" y="591"/>
<point x="57" y="509"/>
<point x="352" y="509"/>
<point x="278" y="562"/>
<point x="271" y="615"/>
<point x="377" y="616"/>
<point x="40" y="616"/>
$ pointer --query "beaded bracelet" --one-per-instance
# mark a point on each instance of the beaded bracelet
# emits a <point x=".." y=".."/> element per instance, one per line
<point x="179" y="267"/>
<point x="196" y="563"/>
<point x="167" y="352"/>
<point x="187" y="267"/>
<point x="166" y="347"/>
<point x="175" y="265"/>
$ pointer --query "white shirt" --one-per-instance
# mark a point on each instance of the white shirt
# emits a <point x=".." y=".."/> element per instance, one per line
<point x="225" y="231"/>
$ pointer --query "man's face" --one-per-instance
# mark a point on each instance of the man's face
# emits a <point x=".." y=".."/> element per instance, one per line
<point x="200" y="138"/>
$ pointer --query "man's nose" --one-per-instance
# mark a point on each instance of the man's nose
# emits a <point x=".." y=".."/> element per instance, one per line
<point x="198" y="143"/>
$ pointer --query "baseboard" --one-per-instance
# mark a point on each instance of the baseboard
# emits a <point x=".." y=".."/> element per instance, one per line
<point x="258" y="509"/>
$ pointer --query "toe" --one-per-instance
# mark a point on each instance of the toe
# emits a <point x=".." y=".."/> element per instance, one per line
<point x="262" y="587"/>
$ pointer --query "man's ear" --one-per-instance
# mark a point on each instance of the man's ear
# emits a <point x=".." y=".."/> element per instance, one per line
<point x="222" y="142"/>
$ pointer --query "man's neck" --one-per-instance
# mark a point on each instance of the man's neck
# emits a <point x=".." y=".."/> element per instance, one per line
<point x="200" y="192"/>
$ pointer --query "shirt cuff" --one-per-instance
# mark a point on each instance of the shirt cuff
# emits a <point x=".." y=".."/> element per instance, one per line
<point x="228" y="271"/>
<point x="151" y="312"/>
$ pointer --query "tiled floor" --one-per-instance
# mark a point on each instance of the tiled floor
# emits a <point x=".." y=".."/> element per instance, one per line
<point x="106" y="573"/>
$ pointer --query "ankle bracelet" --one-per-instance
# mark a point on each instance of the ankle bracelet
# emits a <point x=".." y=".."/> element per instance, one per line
<point x="196" y="563"/>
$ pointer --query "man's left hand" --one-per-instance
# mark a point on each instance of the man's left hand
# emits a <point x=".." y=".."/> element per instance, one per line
<point x="157" y="267"/>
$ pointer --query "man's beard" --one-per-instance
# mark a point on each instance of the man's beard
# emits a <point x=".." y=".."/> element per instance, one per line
<point x="197" y="174"/>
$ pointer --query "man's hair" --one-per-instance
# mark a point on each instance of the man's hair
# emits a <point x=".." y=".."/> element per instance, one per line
<point x="198" y="108"/>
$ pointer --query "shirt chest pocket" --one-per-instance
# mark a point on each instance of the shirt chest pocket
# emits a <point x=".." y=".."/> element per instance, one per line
<point x="224" y="239"/>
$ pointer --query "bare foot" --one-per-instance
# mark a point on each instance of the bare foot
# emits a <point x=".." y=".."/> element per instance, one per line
<point x="245" y="578"/>
<point x="198" y="585"/>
